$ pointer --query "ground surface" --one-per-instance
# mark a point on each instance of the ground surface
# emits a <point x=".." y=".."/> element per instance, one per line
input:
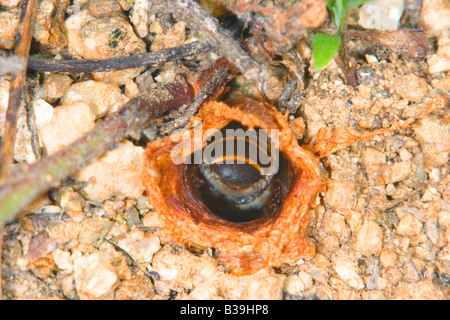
<point x="381" y="225"/>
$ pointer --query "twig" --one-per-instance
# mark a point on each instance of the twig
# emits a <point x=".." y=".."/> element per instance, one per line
<point x="410" y="43"/>
<point x="150" y="58"/>
<point x="22" y="49"/>
<point x="206" y="26"/>
<point x="212" y="81"/>
<point x="23" y="186"/>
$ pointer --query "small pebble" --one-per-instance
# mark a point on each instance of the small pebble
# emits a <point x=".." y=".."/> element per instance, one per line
<point x="43" y="112"/>
<point x="392" y="275"/>
<point x="101" y="31"/>
<point x="443" y="83"/>
<point x="434" y="15"/>
<point x="98" y="274"/>
<point x="409" y="226"/>
<point x="411" y="87"/>
<point x="117" y="172"/>
<point x="99" y="96"/>
<point x="334" y="224"/>
<point x="306" y="278"/>
<point x="444" y="258"/>
<point x="183" y="269"/>
<point x="369" y="239"/>
<point x="347" y="271"/>
<point x="444" y="217"/>
<point x="293" y="285"/>
<point x="140" y="247"/>
<point x="373" y="161"/>
<point x="63" y="260"/>
<point x="93" y="230"/>
<point x="263" y="285"/>
<point x="176" y="36"/>
<point x="433" y="133"/>
<point x="151" y="220"/>
<point x="56" y="85"/>
<point x="140" y="17"/>
<point x="398" y="171"/>
<point x="9" y="3"/>
<point x="9" y="20"/>
<point x="371" y="59"/>
<point x="421" y="290"/>
<point x="69" y="122"/>
<point x="366" y="75"/>
<point x="388" y="258"/>
<point x="340" y="194"/>
<point x="354" y="220"/>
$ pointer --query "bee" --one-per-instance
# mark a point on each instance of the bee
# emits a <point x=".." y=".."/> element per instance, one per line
<point x="243" y="177"/>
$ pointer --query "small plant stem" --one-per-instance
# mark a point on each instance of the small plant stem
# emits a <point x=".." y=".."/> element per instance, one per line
<point x="342" y="58"/>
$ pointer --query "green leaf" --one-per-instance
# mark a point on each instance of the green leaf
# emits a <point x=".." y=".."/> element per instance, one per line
<point x="325" y="47"/>
<point x="355" y="3"/>
<point x="340" y="4"/>
<point x="336" y="17"/>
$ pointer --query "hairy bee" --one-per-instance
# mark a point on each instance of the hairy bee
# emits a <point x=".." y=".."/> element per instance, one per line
<point x="242" y="176"/>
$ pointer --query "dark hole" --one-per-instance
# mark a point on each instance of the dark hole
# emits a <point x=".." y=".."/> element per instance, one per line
<point x="256" y="205"/>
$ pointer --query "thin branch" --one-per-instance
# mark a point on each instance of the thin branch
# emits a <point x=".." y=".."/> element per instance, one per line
<point x="24" y="185"/>
<point x="22" y="49"/>
<point x="151" y="58"/>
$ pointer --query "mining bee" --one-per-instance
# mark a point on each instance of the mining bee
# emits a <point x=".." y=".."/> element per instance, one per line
<point x="242" y="176"/>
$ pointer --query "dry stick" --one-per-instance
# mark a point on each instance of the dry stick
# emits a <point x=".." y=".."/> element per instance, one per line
<point x="135" y="61"/>
<point x="136" y="115"/>
<point x="25" y="185"/>
<point x="206" y="26"/>
<point x="213" y="80"/>
<point x="23" y="43"/>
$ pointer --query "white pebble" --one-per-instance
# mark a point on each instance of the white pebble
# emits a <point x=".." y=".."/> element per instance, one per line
<point x="369" y="239"/>
<point x="293" y="285"/>
<point x="347" y="271"/>
<point x="117" y="173"/>
<point x="69" y="122"/>
<point x="383" y="15"/>
<point x="99" y="96"/>
<point x="139" y="247"/>
<point x="43" y="112"/>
